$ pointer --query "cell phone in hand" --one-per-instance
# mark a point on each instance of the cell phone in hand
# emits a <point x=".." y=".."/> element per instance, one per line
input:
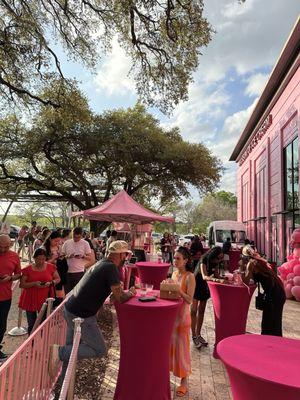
<point x="43" y="283"/>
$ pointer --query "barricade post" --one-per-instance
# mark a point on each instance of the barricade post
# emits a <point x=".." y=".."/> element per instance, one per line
<point x="67" y="390"/>
<point x="17" y="330"/>
<point x="40" y="316"/>
<point x="49" y="301"/>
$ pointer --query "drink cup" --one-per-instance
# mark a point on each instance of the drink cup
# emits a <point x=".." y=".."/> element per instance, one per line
<point x="149" y="287"/>
<point x="143" y="289"/>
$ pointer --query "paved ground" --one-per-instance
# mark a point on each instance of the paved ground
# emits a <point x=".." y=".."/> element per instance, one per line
<point x="208" y="380"/>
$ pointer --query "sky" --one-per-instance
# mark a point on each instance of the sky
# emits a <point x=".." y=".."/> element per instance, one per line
<point x="230" y="78"/>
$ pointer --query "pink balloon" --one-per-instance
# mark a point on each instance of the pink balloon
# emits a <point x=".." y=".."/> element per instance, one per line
<point x="290" y="257"/>
<point x="290" y="282"/>
<point x="292" y="263"/>
<point x="288" y="291"/>
<point x="296" y="292"/>
<point x="296" y="280"/>
<point x="297" y="270"/>
<point x="290" y="276"/>
<point x="284" y="265"/>
<point x="283" y="276"/>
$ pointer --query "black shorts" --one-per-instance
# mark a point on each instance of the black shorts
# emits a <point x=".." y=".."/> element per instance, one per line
<point x="62" y="269"/>
<point x="202" y="290"/>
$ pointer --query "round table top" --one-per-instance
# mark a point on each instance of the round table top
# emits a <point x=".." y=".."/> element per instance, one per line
<point x="151" y="264"/>
<point x="269" y="358"/>
<point x="158" y="303"/>
<point x="232" y="285"/>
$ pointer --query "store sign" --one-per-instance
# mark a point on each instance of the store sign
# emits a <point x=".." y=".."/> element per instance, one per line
<point x="259" y="134"/>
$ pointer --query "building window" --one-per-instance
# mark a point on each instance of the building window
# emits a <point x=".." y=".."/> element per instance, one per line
<point x="291" y="190"/>
<point x="291" y="175"/>
<point x="260" y="207"/>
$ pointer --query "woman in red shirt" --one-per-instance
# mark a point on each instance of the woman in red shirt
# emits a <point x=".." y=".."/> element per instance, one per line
<point x="37" y="282"/>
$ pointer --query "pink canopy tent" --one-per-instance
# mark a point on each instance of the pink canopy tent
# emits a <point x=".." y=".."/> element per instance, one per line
<point x="122" y="208"/>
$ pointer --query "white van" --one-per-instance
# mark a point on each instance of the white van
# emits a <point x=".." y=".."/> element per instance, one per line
<point x="219" y="231"/>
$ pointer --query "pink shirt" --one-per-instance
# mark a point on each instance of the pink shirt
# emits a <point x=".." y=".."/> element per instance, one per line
<point x="81" y="249"/>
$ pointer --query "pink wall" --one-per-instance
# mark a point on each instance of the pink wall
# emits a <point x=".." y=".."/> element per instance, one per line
<point x="260" y="178"/>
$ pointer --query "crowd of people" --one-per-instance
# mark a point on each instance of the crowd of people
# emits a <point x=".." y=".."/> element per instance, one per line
<point x="60" y="264"/>
<point x="194" y="267"/>
<point x="57" y="260"/>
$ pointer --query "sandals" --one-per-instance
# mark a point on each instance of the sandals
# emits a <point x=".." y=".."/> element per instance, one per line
<point x="202" y="340"/>
<point x="181" y="391"/>
<point x="197" y="343"/>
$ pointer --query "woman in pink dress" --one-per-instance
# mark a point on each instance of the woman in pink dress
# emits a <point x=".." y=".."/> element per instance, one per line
<point x="180" y="359"/>
<point x="37" y="282"/>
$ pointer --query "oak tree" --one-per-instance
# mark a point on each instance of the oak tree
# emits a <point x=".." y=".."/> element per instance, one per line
<point x="162" y="38"/>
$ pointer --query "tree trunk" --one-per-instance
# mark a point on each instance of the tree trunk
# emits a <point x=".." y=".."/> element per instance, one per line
<point x="7" y="210"/>
<point x="98" y="226"/>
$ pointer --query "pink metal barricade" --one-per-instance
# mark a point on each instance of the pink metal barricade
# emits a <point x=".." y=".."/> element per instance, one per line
<point x="67" y="390"/>
<point x="24" y="376"/>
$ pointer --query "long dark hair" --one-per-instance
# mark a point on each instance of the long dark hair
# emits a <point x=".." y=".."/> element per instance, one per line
<point x="187" y="256"/>
<point x="47" y="242"/>
<point x="261" y="265"/>
<point x="214" y="252"/>
<point x="40" y="251"/>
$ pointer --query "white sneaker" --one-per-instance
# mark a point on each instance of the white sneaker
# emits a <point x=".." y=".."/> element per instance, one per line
<point x="53" y="360"/>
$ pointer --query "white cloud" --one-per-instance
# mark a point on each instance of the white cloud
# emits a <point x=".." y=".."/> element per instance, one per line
<point x="247" y="40"/>
<point x="195" y="118"/>
<point x="256" y="84"/>
<point x="113" y="76"/>
<point x="223" y="144"/>
<point x="233" y="9"/>
<point x="247" y="35"/>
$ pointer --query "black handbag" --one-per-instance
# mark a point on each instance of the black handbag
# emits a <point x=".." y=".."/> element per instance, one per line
<point x="260" y="300"/>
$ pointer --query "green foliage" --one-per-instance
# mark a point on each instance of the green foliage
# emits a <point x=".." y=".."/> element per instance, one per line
<point x="69" y="154"/>
<point x="162" y="39"/>
<point x="227" y="198"/>
<point x="196" y="217"/>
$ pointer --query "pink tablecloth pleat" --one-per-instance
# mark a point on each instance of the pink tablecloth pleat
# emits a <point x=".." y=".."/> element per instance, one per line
<point x="262" y="367"/>
<point x="152" y="272"/>
<point x="145" y="334"/>
<point x="231" y="304"/>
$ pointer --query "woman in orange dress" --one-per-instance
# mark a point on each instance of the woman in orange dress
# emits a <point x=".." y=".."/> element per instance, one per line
<point x="37" y="280"/>
<point x="180" y="359"/>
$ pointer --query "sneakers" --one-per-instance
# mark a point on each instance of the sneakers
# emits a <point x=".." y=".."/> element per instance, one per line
<point x="3" y="356"/>
<point x="53" y="360"/>
<point x="202" y="340"/>
<point x="196" y="341"/>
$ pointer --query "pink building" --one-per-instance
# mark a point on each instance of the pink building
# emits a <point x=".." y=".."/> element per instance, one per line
<point x="267" y="154"/>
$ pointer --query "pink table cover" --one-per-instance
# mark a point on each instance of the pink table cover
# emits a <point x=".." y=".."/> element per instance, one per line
<point x="152" y="272"/>
<point x="234" y="258"/>
<point x="262" y="367"/>
<point x="145" y="334"/>
<point x="231" y="304"/>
